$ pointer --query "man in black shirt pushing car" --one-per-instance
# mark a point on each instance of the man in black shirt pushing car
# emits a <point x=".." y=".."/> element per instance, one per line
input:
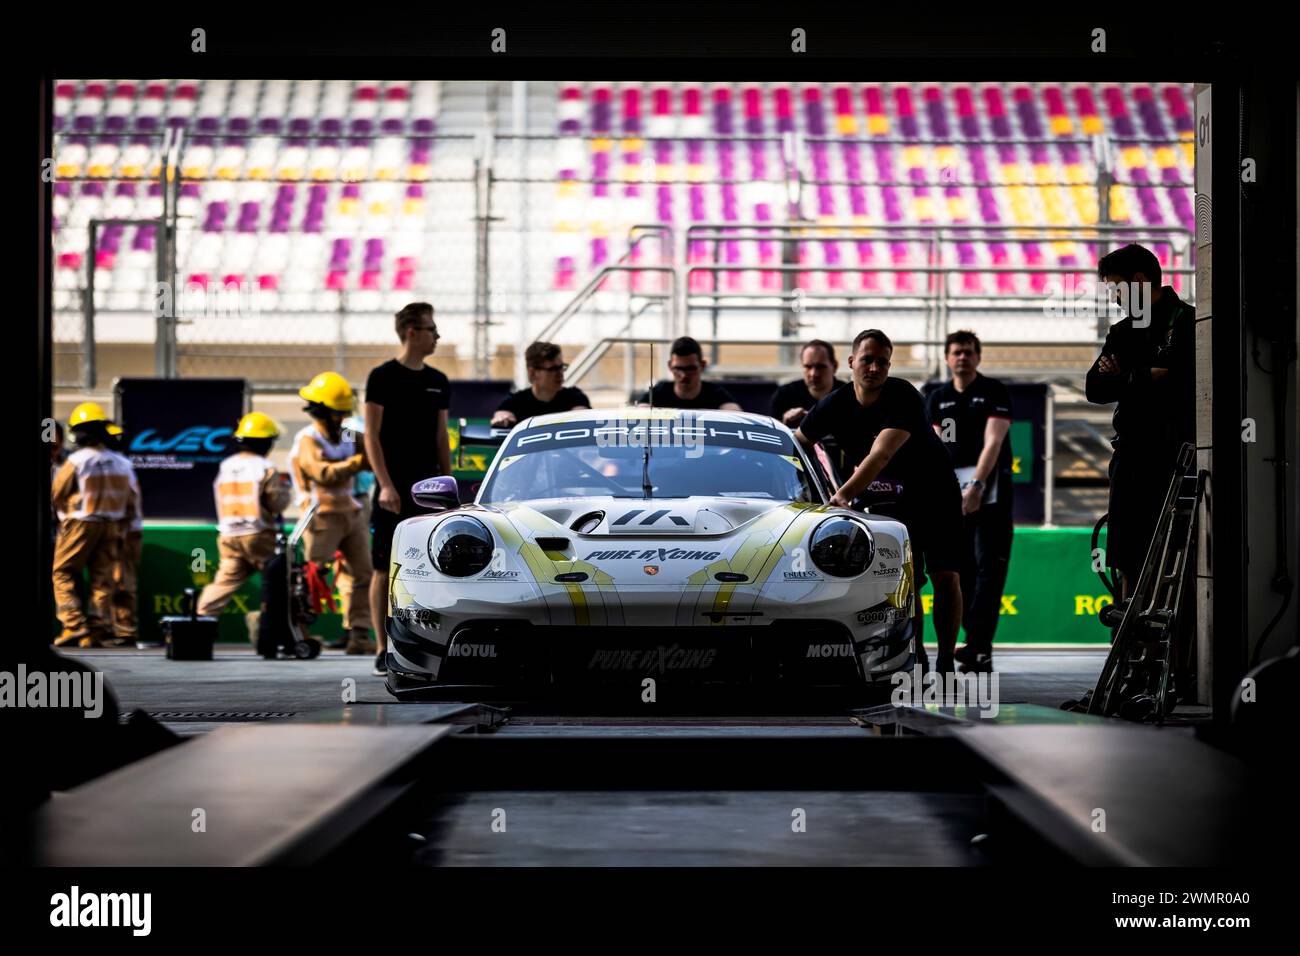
<point x="895" y="465"/>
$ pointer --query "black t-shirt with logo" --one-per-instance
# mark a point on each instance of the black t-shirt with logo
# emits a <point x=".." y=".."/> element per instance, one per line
<point x="524" y="404"/>
<point x="970" y="412"/>
<point x="408" y="434"/>
<point x="914" y="467"/>
<point x="796" y="395"/>
<point x="711" y="396"/>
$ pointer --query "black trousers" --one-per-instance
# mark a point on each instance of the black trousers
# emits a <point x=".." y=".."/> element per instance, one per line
<point x="987" y="554"/>
<point x="1139" y="480"/>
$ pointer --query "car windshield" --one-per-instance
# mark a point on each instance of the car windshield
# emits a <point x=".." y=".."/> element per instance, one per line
<point x="598" y="458"/>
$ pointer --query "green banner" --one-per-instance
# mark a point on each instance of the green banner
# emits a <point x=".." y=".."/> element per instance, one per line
<point x="1052" y="594"/>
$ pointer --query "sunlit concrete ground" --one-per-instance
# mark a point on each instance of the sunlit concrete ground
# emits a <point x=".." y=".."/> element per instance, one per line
<point x="195" y="696"/>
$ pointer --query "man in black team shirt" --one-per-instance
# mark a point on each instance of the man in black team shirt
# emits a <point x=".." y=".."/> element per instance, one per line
<point x="688" y="389"/>
<point x="406" y="440"/>
<point x="545" y="392"/>
<point x="971" y="414"/>
<point x="894" y="464"/>
<point x="1147" y="367"/>
<point x="792" y="400"/>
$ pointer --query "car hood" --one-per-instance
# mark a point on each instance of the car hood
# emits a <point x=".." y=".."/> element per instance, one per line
<point x="640" y="518"/>
<point x="709" y="535"/>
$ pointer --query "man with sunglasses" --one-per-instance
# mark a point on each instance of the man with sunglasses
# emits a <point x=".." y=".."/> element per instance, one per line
<point x="406" y="440"/>
<point x="546" y="391"/>
<point x="688" y="389"/>
<point x="791" y="402"/>
<point x="893" y="463"/>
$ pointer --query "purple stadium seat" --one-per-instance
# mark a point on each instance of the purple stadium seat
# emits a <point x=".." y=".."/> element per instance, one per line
<point x="342" y="253"/>
<point x="664" y="203"/>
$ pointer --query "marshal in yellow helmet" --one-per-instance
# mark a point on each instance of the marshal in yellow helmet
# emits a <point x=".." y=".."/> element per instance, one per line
<point x="331" y="390"/>
<point x="257" y="425"/>
<point x="87" y="413"/>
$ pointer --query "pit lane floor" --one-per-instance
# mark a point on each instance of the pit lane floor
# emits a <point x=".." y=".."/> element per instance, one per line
<point x="926" y="819"/>
<point x="192" y="697"/>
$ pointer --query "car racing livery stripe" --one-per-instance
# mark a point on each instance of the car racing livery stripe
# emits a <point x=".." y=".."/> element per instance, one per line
<point x="545" y="565"/>
<point x="533" y="557"/>
<point x="748" y="560"/>
<point x="793" y="534"/>
<point x="393" y="584"/>
<point x="901" y="596"/>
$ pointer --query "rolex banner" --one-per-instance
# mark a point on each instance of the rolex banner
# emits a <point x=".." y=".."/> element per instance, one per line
<point x="177" y="432"/>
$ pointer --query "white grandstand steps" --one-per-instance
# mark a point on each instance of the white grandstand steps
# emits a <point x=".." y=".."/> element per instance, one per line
<point x="464" y="103"/>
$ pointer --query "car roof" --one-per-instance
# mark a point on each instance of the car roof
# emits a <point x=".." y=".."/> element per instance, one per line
<point x="642" y="413"/>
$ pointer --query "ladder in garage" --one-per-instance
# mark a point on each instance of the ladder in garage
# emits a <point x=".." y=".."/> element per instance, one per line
<point x="1134" y="682"/>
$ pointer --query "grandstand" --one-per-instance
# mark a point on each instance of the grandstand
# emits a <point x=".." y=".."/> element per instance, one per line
<point x="760" y="212"/>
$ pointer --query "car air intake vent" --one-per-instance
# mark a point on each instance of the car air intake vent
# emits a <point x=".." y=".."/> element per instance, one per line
<point x="585" y="524"/>
<point x="552" y="544"/>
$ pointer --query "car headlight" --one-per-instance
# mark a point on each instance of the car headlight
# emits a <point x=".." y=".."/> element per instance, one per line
<point x="842" y="547"/>
<point x="461" y="546"/>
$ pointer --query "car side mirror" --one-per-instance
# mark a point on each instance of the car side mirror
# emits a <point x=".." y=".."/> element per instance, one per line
<point x="437" y="494"/>
<point x="484" y="435"/>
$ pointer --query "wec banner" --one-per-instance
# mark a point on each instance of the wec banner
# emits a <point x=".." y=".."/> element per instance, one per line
<point x="177" y="432"/>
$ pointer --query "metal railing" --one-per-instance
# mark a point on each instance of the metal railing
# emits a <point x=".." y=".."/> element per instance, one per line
<point x="681" y="302"/>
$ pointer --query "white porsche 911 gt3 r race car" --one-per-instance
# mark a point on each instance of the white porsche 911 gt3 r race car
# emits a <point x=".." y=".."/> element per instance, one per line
<point x="608" y="546"/>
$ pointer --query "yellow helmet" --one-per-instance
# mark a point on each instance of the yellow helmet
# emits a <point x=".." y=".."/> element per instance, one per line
<point x="331" y="390"/>
<point x="113" y="429"/>
<point x="87" y="413"/>
<point x="257" y="425"/>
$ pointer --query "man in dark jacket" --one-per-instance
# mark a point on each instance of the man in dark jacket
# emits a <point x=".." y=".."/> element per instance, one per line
<point x="1147" y="368"/>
